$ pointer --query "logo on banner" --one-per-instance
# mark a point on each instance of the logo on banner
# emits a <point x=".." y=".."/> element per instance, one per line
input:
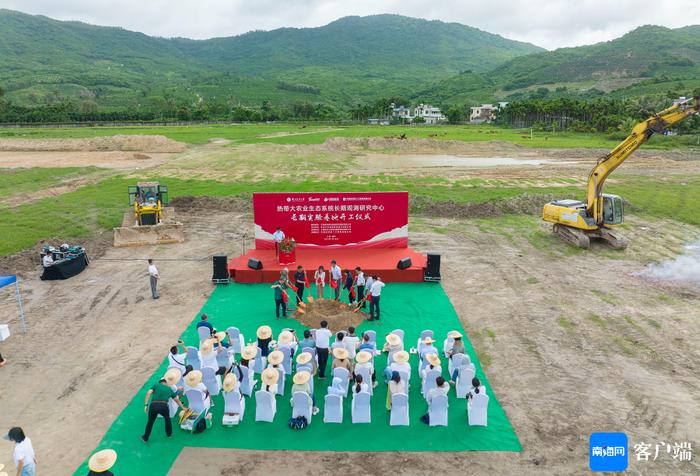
<point x="608" y="452"/>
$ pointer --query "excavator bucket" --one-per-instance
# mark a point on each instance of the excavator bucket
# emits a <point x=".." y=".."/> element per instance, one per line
<point x="165" y="232"/>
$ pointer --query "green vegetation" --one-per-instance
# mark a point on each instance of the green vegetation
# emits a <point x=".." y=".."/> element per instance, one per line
<point x="566" y="323"/>
<point x="605" y="297"/>
<point x="597" y="320"/>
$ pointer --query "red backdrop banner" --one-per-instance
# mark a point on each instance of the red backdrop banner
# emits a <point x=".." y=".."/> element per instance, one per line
<point x="328" y="219"/>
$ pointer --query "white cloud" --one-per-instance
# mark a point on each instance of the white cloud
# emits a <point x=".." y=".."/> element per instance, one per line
<point x="547" y="23"/>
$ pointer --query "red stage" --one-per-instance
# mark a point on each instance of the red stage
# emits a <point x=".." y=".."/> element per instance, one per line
<point x="381" y="262"/>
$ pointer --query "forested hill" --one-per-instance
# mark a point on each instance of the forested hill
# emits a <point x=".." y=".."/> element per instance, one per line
<point x="355" y="58"/>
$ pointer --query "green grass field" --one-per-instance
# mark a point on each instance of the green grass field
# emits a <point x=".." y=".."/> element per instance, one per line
<point x="317" y="134"/>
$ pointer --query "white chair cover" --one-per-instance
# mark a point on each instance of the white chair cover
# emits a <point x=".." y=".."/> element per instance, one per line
<point x="360" y="409"/>
<point x="260" y="362"/>
<point x="195" y="400"/>
<point x="429" y="381"/>
<point x="423" y="335"/>
<point x="280" y="380"/>
<point x="455" y="362"/>
<point x="464" y="381"/>
<point x="437" y="411"/>
<point x="204" y="333"/>
<point x="477" y="409"/>
<point x="287" y="351"/>
<point x="193" y="358"/>
<point x="236" y="339"/>
<point x="366" y="377"/>
<point x="234" y="403"/>
<point x="302" y="405"/>
<point x="399" y="410"/>
<point x="247" y="381"/>
<point x="211" y="380"/>
<point x="344" y="375"/>
<point x="333" y="409"/>
<point x="265" y="406"/>
<point x="400" y="333"/>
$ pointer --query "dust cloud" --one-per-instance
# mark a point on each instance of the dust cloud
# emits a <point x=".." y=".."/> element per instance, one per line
<point x="685" y="267"/>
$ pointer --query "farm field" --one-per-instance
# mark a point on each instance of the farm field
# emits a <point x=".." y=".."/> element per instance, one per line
<point x="571" y="341"/>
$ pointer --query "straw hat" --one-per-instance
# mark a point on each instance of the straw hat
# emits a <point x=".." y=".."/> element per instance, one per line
<point x="172" y="376"/>
<point x="304" y="358"/>
<point x="102" y="461"/>
<point x="363" y="356"/>
<point x="269" y="376"/>
<point x="206" y="346"/>
<point x="193" y="378"/>
<point x="285" y="337"/>
<point x="453" y="334"/>
<point x="220" y="335"/>
<point x="393" y="339"/>
<point x="433" y="359"/>
<point x="428" y="340"/>
<point x="249" y="352"/>
<point x="401" y="356"/>
<point x="264" y="332"/>
<point x="300" y="378"/>
<point x="230" y="381"/>
<point x="340" y="353"/>
<point x="275" y="357"/>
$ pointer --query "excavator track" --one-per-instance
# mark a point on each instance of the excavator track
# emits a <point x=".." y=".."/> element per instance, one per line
<point x="572" y="235"/>
<point x="612" y="238"/>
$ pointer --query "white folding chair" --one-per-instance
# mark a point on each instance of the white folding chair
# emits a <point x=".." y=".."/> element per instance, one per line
<point x="366" y="377"/>
<point x="195" y="400"/>
<point x="423" y="335"/>
<point x="399" y="410"/>
<point x="455" y="362"/>
<point x="287" y="351"/>
<point x="344" y="375"/>
<point x="429" y="382"/>
<point x="405" y="378"/>
<point x="223" y="359"/>
<point x="360" y="409"/>
<point x="265" y="406"/>
<point x="464" y="381"/>
<point x="234" y="403"/>
<point x="236" y="339"/>
<point x="302" y="405"/>
<point x="477" y="410"/>
<point x="437" y="411"/>
<point x="447" y="345"/>
<point x="193" y="357"/>
<point x="204" y="333"/>
<point x="400" y="333"/>
<point x="333" y="409"/>
<point x="260" y="362"/>
<point x="211" y="380"/>
<point x="280" y="380"/>
<point x="247" y="381"/>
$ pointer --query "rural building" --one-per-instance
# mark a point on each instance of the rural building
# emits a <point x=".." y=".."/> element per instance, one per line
<point x="431" y="114"/>
<point x="485" y="113"/>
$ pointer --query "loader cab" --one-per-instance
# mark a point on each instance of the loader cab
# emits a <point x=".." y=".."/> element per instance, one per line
<point x="613" y="209"/>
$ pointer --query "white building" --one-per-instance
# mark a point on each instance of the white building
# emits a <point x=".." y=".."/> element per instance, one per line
<point x="485" y="113"/>
<point x="431" y="114"/>
<point x="402" y="112"/>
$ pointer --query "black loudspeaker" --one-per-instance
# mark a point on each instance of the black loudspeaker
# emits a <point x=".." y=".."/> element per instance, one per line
<point x="404" y="263"/>
<point x="254" y="263"/>
<point x="432" y="270"/>
<point x="220" y="263"/>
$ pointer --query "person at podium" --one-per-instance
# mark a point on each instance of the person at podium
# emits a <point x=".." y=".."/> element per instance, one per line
<point x="277" y="237"/>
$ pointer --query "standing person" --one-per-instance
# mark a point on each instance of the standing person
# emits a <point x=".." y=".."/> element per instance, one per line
<point x="320" y="280"/>
<point x="277" y="237"/>
<point x="25" y="459"/>
<point x="368" y="286"/>
<point x="349" y="284"/>
<point x="323" y="340"/>
<point x="336" y="276"/>
<point x="375" y="292"/>
<point x="360" y="283"/>
<point x="280" y="290"/>
<point x="161" y="393"/>
<point x="154" y="276"/>
<point x="300" y="282"/>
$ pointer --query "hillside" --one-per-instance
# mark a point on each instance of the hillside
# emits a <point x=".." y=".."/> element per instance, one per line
<point x="648" y="60"/>
<point x="351" y="59"/>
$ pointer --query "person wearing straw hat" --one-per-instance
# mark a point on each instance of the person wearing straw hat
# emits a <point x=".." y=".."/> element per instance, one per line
<point x="341" y="359"/>
<point x="307" y="359"/>
<point x="231" y="384"/>
<point x="23" y="454"/>
<point x="392" y="345"/>
<point x="287" y="343"/>
<point x="248" y="354"/>
<point x="433" y="364"/>
<point x="301" y="384"/>
<point x="274" y="360"/>
<point x="428" y="348"/>
<point x="364" y="360"/>
<point x="193" y="381"/>
<point x="269" y="379"/>
<point x="207" y="353"/>
<point x="457" y="346"/>
<point x="101" y="462"/>
<point x="399" y="364"/>
<point x="159" y="394"/>
<point x="264" y="335"/>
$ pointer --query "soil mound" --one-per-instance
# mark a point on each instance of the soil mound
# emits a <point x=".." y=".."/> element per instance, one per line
<point x="339" y="315"/>
<point x="132" y="143"/>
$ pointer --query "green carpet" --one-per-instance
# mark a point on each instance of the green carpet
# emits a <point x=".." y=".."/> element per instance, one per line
<point x="411" y="307"/>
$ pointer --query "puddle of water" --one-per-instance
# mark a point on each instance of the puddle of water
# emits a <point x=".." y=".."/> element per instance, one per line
<point x="685" y="267"/>
<point x="404" y="161"/>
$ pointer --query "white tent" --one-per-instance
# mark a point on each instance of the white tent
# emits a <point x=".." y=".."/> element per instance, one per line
<point x="12" y="279"/>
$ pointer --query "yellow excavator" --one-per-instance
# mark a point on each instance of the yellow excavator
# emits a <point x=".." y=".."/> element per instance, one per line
<point x="576" y="221"/>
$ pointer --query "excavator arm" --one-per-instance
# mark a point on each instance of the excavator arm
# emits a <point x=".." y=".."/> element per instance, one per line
<point x="639" y="135"/>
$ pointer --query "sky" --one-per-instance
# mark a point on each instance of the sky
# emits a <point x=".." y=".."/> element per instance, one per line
<point x="550" y="24"/>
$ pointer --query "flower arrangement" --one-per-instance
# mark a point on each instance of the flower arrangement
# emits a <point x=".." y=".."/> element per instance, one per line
<point x="287" y="245"/>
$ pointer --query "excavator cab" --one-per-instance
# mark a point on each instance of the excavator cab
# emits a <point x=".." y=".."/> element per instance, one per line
<point x="613" y="209"/>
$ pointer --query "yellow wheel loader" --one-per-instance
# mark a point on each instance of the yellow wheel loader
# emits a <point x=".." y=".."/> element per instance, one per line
<point x="577" y="221"/>
<point x="150" y="222"/>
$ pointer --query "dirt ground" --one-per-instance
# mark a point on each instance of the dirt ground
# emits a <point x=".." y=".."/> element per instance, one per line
<point x="571" y="342"/>
<point x="338" y="315"/>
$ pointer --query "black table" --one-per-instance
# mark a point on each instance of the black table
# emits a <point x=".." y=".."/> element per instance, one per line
<point x="65" y="268"/>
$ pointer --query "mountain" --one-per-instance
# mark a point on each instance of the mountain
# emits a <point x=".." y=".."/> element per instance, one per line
<point x="647" y="60"/>
<point x="352" y="59"/>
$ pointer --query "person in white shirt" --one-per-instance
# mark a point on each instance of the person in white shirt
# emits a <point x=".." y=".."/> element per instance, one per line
<point x="442" y="389"/>
<point x="375" y="291"/>
<point x="277" y="237"/>
<point x="47" y="260"/>
<point x="360" y="283"/>
<point x="351" y="342"/>
<point x="364" y="360"/>
<point x="207" y="353"/>
<point x="154" y="276"/>
<point x="336" y="276"/>
<point x="23" y="455"/>
<point x="359" y="386"/>
<point x="178" y="360"/>
<point x="320" y="280"/>
<point x="323" y="341"/>
<point x="433" y="364"/>
<point x="400" y="364"/>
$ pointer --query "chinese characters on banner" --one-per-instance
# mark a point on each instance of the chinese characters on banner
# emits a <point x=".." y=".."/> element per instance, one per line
<point x="372" y="219"/>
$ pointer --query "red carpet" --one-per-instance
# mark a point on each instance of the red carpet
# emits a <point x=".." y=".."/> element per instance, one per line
<point x="381" y="262"/>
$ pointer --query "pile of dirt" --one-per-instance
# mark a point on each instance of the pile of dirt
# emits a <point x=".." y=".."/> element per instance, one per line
<point x="137" y="143"/>
<point x="339" y="315"/>
<point x="525" y="204"/>
<point x="401" y="144"/>
<point x="234" y="203"/>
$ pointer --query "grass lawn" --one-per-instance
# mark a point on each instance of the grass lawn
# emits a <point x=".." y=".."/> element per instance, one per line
<point x="412" y="307"/>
